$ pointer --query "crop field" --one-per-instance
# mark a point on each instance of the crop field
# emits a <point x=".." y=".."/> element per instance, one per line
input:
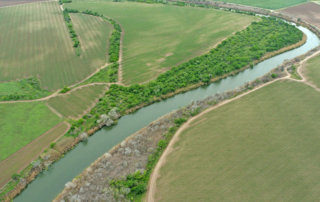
<point x="4" y="3"/>
<point x="270" y="4"/>
<point x="308" y="12"/>
<point x="264" y="146"/>
<point x="35" y="42"/>
<point x="75" y="103"/>
<point x="158" y="37"/>
<point x="25" y="155"/>
<point x="94" y="33"/>
<point x="311" y="70"/>
<point x="20" y="123"/>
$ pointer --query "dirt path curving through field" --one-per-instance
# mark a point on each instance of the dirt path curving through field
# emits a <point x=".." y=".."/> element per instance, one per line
<point x="156" y="172"/>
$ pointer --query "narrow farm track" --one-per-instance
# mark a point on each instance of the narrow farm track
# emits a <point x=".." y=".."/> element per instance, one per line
<point x="55" y="94"/>
<point x="156" y="172"/>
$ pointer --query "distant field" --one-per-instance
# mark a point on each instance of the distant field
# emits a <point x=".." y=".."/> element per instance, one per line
<point x="17" y="2"/>
<point x="74" y="104"/>
<point x="311" y="70"/>
<point x="35" y="42"/>
<point x="20" y="123"/>
<point x="157" y="37"/>
<point x="262" y="147"/>
<point x="269" y="4"/>
<point x="308" y="12"/>
<point x="24" y="156"/>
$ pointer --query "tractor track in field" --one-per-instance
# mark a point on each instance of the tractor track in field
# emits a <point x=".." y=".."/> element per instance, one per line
<point x="150" y="196"/>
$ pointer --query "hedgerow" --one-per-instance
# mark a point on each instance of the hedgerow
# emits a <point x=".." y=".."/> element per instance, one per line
<point x="73" y="35"/>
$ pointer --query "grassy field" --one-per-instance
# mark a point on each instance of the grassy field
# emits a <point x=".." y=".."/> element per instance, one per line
<point x="24" y="156"/>
<point x="157" y="37"/>
<point x="270" y="4"/>
<point x="262" y="147"/>
<point x="35" y="42"/>
<point x="311" y="70"/>
<point x="94" y="33"/>
<point x="20" y="123"/>
<point x="75" y="103"/>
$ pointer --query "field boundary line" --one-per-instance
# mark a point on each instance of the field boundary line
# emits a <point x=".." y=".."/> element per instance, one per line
<point x="38" y="154"/>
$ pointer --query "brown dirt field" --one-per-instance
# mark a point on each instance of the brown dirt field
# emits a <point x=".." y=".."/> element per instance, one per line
<point x="4" y="3"/>
<point x="308" y="12"/>
<point x="22" y="158"/>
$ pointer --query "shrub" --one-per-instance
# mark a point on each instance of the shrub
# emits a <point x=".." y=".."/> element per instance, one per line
<point x="65" y="89"/>
<point x="52" y="145"/>
<point x="15" y="176"/>
<point x="273" y="75"/>
<point x="180" y="121"/>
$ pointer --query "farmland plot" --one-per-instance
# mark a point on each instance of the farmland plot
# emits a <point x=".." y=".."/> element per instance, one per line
<point x="308" y="12"/>
<point x="264" y="146"/>
<point x="75" y="103"/>
<point x="20" y="123"/>
<point x="35" y="42"/>
<point x="270" y="4"/>
<point x="157" y="37"/>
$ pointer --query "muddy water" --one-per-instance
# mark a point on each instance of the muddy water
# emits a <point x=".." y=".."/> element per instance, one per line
<point x="50" y="183"/>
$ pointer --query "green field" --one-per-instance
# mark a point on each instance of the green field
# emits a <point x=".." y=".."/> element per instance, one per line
<point x="94" y="33"/>
<point x="35" y="42"/>
<point x="20" y="123"/>
<point x="75" y="103"/>
<point x="158" y="37"/>
<point x="311" y="70"/>
<point x="270" y="4"/>
<point x="264" y="146"/>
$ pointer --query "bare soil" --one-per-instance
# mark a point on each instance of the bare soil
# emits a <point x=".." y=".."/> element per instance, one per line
<point x="308" y="12"/>
<point x="5" y="3"/>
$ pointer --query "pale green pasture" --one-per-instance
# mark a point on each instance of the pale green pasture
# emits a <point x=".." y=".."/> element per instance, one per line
<point x="264" y="146"/>
<point x="20" y="123"/>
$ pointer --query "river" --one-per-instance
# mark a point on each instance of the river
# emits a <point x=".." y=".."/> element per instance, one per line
<point x="51" y="182"/>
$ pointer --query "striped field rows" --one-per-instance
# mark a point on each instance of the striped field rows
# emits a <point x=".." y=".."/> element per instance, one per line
<point x="35" y="42"/>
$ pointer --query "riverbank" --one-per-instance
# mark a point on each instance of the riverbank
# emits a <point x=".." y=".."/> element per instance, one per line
<point x="115" y="165"/>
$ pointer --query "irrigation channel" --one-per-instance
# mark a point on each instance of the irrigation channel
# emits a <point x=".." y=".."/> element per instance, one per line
<point x="51" y="182"/>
